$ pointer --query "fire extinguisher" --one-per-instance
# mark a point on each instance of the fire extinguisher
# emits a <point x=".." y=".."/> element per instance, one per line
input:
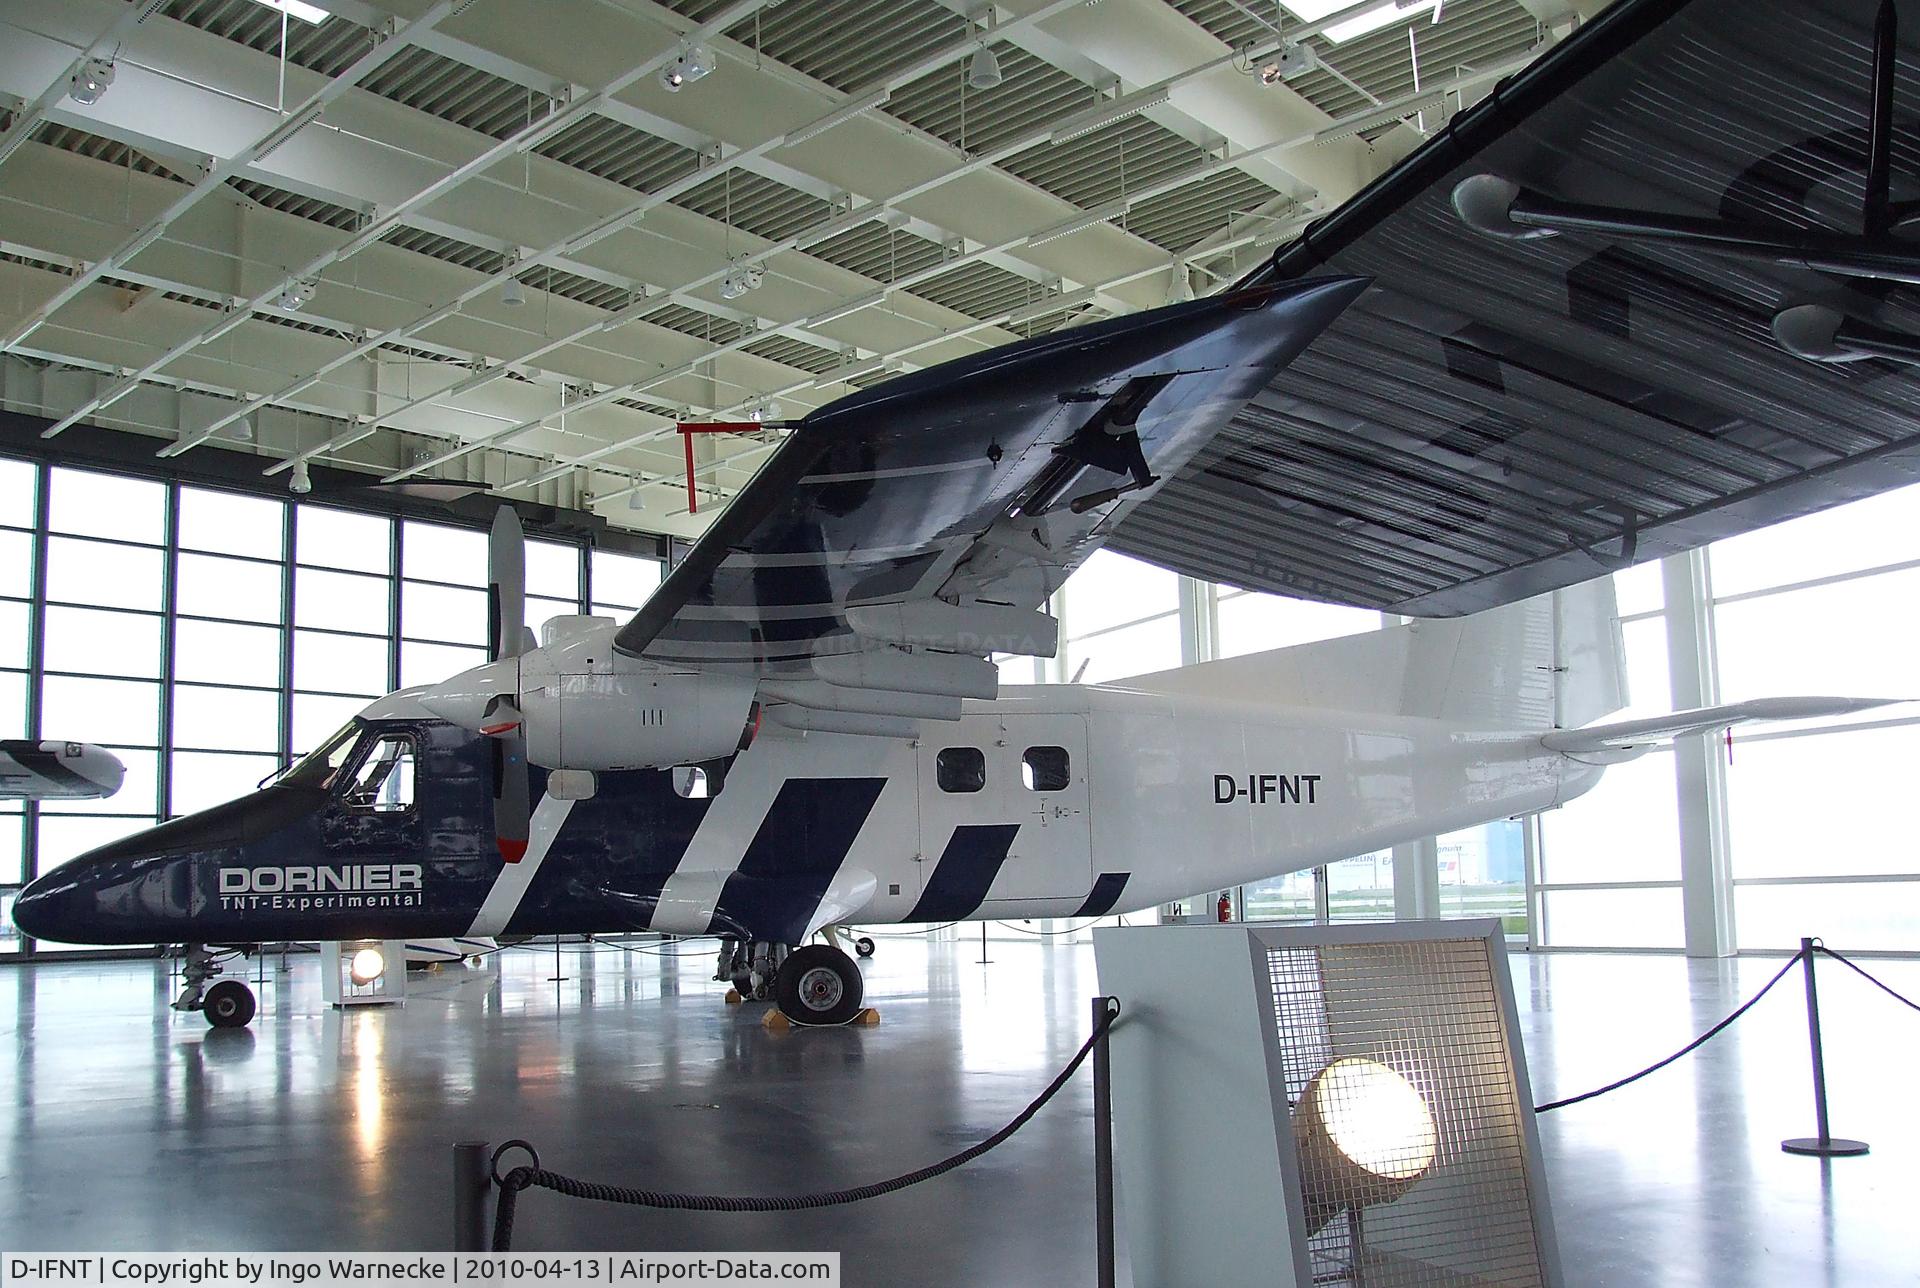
<point x="1225" y="907"/>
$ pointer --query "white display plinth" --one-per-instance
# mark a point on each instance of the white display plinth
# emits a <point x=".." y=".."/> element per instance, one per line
<point x="1323" y="1105"/>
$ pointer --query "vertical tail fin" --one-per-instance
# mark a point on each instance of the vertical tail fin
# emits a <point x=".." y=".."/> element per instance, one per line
<point x="1555" y="661"/>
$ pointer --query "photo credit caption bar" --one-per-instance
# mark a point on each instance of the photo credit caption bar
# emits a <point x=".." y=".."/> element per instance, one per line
<point x="333" y="1270"/>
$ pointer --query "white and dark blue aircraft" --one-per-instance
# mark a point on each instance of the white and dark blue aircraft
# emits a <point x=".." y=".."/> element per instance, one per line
<point x="1509" y="391"/>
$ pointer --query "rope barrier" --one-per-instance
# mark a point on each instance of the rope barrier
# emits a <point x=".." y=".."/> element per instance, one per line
<point x="1792" y="961"/>
<point x="1861" y="971"/>
<point x="1685" y="1050"/>
<point x="525" y="1177"/>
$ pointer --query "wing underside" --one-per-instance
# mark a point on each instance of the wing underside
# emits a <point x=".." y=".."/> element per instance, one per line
<point x="1597" y="369"/>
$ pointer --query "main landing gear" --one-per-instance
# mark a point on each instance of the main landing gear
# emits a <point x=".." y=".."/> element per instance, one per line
<point x="817" y="984"/>
<point x="227" y="1003"/>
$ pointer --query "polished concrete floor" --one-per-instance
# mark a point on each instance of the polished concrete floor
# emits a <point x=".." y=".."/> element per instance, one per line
<point x="126" y="1126"/>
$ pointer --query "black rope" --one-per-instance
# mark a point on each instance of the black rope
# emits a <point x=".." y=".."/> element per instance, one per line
<point x="521" y="1178"/>
<point x="1862" y="972"/>
<point x="1047" y="934"/>
<point x="1687" y="1049"/>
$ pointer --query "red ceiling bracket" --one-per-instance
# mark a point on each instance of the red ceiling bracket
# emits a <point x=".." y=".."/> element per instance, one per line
<point x="688" y="428"/>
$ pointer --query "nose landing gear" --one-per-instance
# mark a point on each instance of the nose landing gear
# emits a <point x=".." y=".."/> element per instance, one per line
<point x="750" y="967"/>
<point x="227" y="1003"/>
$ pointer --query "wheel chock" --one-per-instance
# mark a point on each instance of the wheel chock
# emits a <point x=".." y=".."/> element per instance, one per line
<point x="774" y="1022"/>
<point x="733" y="997"/>
<point x="867" y="1018"/>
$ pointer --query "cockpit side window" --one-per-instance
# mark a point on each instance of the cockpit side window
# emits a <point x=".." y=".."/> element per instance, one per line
<point x="319" y="767"/>
<point x="382" y="781"/>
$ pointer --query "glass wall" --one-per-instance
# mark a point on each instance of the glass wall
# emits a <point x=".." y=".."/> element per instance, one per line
<point x="206" y="636"/>
<point x="1609" y="861"/>
<point x="1483" y="873"/>
<point x="1821" y="814"/>
<point x="1119" y="617"/>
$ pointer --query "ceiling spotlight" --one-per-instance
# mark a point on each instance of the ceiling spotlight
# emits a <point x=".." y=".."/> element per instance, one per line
<point x="983" y="69"/>
<point x="746" y="277"/>
<point x="512" y="295"/>
<point x="301" y="481"/>
<point x="243" y="429"/>
<point x="696" y="62"/>
<point x="89" y="81"/>
<point x="296" y="295"/>
<point x="1180" y="289"/>
<point x="1291" y="61"/>
<point x="634" y="500"/>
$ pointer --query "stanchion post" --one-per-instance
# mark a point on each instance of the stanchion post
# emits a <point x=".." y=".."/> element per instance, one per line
<point x="1825" y="1145"/>
<point x="1103" y="1146"/>
<point x="472" y="1181"/>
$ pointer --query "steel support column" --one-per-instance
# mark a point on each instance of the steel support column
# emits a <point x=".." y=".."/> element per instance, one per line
<point x="1416" y="880"/>
<point x="1706" y="888"/>
<point x="1199" y="621"/>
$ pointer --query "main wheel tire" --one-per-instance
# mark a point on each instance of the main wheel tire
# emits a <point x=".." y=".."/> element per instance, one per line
<point x="228" y="1004"/>
<point x="819" y="985"/>
<point x="863" y="946"/>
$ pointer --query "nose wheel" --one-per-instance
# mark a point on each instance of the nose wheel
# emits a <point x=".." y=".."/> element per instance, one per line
<point x="818" y="985"/>
<point x="227" y="1003"/>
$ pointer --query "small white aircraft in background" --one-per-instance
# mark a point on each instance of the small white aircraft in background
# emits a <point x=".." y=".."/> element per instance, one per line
<point x="45" y="769"/>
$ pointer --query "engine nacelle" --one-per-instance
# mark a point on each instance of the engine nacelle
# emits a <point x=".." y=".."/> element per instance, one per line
<point x="585" y="706"/>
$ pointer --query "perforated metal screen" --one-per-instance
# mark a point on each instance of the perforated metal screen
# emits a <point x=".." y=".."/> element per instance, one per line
<point x="1406" y="1117"/>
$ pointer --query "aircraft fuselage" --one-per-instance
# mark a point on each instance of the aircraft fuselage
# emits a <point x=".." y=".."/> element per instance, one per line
<point x="1053" y="801"/>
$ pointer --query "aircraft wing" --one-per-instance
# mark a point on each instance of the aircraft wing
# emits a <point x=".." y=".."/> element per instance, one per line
<point x="1716" y="332"/>
<point x="898" y="536"/>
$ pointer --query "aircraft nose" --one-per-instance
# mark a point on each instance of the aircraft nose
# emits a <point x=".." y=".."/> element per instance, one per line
<point x="39" y="909"/>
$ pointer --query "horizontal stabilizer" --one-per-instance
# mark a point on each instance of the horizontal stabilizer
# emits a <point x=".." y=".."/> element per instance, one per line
<point x="1633" y="735"/>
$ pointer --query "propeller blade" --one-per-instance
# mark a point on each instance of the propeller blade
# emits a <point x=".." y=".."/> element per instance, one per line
<point x="506" y="585"/>
<point x="512" y="794"/>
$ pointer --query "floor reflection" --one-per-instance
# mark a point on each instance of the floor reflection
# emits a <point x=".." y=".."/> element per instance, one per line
<point x="319" y="1128"/>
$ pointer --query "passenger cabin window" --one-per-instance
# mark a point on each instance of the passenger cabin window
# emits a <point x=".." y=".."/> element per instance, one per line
<point x="1046" y="769"/>
<point x="690" y="781"/>
<point x="961" y="769"/>
<point x="383" y="781"/>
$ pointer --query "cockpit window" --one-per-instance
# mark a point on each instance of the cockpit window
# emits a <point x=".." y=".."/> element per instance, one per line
<point x="383" y="780"/>
<point x="318" y="767"/>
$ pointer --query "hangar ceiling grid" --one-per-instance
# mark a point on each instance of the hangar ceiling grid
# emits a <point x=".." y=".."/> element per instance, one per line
<point x="1165" y="181"/>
